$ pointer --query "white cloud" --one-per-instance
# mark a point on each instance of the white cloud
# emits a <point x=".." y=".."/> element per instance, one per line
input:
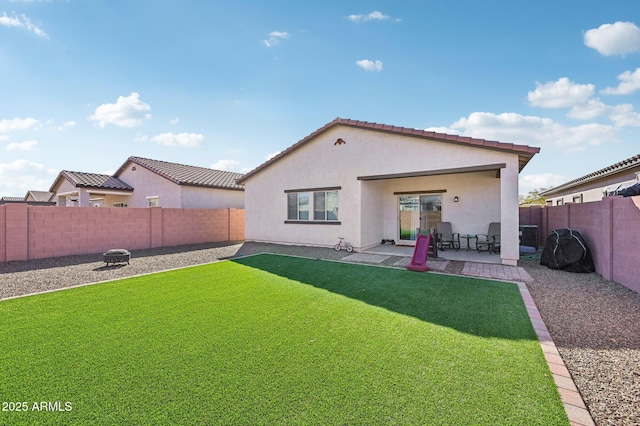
<point x="181" y="139"/>
<point x="66" y="125"/>
<point x="21" y="21"/>
<point x="534" y="131"/>
<point x="629" y="83"/>
<point x="229" y="166"/>
<point x="624" y="115"/>
<point x="128" y="111"/>
<point x="174" y="121"/>
<point x="20" y="176"/>
<point x="441" y="129"/>
<point x="368" y="65"/>
<point x="590" y="110"/>
<point x="270" y="156"/>
<point x="275" y="37"/>
<point x="22" y="146"/>
<point x="619" y="38"/>
<point x="7" y="126"/>
<point x="528" y="183"/>
<point x="373" y="16"/>
<point x="560" y="94"/>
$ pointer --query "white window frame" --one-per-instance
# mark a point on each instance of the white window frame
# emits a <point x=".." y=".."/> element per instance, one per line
<point x="309" y="196"/>
<point x="153" y="201"/>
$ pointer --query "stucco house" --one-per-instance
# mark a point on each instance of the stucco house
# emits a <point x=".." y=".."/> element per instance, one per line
<point x="594" y="186"/>
<point x="38" y="196"/>
<point x="80" y="189"/>
<point x="143" y="182"/>
<point x="166" y="184"/>
<point x="367" y="182"/>
<point x="32" y="198"/>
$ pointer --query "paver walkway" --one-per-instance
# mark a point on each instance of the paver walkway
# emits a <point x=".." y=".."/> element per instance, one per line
<point x="574" y="405"/>
<point x="495" y="271"/>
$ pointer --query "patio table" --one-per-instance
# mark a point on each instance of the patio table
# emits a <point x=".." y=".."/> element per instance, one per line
<point x="468" y="237"/>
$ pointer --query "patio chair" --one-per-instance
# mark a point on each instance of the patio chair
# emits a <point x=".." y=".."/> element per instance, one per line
<point x="491" y="240"/>
<point x="446" y="237"/>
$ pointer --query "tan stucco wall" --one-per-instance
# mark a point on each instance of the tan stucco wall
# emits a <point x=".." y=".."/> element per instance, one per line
<point x="368" y="209"/>
<point x="145" y="184"/>
<point x="210" y="198"/>
<point x="149" y="184"/>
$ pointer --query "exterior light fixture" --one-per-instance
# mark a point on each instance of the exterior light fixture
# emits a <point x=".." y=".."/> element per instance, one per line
<point x="455" y="199"/>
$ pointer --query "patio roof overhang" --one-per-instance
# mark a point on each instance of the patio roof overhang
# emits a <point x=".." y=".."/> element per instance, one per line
<point x="97" y="191"/>
<point x="456" y="170"/>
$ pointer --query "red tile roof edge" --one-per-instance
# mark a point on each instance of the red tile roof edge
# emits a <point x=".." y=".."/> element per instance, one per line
<point x="144" y="162"/>
<point x="606" y="171"/>
<point x="69" y="175"/>
<point x="444" y="137"/>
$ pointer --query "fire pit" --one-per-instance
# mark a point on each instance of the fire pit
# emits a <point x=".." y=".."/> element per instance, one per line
<point x="116" y="255"/>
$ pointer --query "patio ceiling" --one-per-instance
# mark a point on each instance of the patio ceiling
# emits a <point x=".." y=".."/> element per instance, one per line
<point x="455" y="170"/>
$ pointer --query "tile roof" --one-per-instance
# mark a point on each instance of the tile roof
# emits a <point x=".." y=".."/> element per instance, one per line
<point x="619" y="167"/>
<point x="91" y="180"/>
<point x="525" y="153"/>
<point x="12" y="199"/>
<point x="187" y="175"/>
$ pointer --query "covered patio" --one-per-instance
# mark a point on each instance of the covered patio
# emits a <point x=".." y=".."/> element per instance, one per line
<point x="461" y="255"/>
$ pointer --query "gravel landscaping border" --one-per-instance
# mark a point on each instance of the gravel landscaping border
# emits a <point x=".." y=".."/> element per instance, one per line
<point x="594" y="323"/>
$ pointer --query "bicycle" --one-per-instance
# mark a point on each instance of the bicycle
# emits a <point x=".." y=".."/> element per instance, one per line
<point x="347" y="245"/>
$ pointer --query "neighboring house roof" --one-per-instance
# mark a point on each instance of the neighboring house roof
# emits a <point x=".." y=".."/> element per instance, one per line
<point x="24" y="200"/>
<point x="181" y="174"/>
<point x="91" y="180"/>
<point x="525" y="153"/>
<point x="624" y="165"/>
<point x="39" y="195"/>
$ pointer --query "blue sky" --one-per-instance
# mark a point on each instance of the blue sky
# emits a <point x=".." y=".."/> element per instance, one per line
<point x="84" y="84"/>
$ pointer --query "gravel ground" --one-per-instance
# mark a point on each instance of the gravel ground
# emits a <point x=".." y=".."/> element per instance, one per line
<point x="594" y="323"/>
<point x="596" y="326"/>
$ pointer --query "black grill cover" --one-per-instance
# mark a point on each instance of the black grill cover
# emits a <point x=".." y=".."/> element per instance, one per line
<point x="566" y="249"/>
<point x="631" y="191"/>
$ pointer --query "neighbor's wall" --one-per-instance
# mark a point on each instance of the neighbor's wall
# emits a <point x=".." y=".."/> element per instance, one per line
<point x="36" y="232"/>
<point x="610" y="227"/>
<point x="593" y="191"/>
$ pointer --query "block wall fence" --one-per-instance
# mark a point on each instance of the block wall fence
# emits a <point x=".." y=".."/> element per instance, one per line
<point x="36" y="232"/>
<point x="610" y="227"/>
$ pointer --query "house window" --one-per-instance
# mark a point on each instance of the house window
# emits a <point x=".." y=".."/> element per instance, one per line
<point x="298" y="203"/>
<point x="577" y="198"/>
<point x="559" y="202"/>
<point x="153" y="201"/>
<point x="316" y="205"/>
<point x="325" y="205"/>
<point x="119" y="204"/>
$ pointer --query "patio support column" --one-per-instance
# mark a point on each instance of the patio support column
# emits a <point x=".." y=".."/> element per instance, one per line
<point x="509" y="216"/>
<point x="83" y="198"/>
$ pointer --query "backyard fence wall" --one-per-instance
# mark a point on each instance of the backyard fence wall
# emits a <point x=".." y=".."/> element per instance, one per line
<point x="36" y="232"/>
<point x="610" y="227"/>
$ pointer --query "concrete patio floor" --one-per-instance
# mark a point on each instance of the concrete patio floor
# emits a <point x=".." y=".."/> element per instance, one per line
<point x="461" y="255"/>
<point x="477" y="264"/>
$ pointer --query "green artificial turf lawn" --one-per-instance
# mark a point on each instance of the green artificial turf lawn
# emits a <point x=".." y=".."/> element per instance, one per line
<point x="276" y="340"/>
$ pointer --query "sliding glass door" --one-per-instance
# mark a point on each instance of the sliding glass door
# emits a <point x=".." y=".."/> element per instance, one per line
<point x="418" y="213"/>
